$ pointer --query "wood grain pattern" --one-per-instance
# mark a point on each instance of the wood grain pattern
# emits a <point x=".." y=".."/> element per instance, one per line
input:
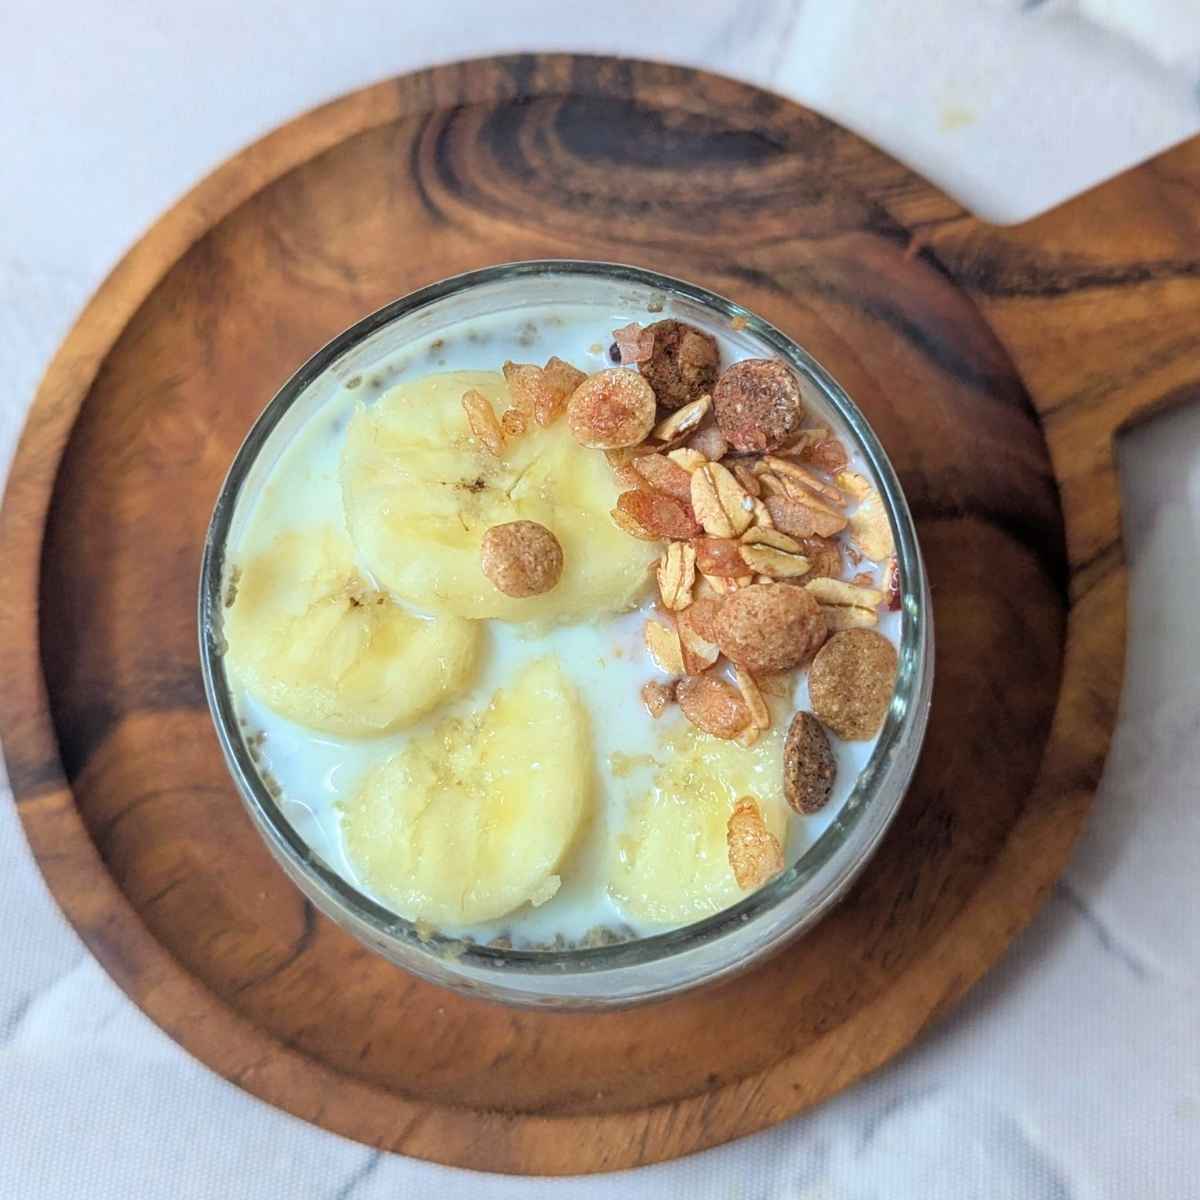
<point x="953" y="336"/>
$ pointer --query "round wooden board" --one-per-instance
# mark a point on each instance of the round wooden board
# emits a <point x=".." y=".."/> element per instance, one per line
<point x="921" y="312"/>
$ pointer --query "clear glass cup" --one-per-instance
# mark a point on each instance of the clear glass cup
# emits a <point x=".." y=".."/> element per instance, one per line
<point x="651" y="967"/>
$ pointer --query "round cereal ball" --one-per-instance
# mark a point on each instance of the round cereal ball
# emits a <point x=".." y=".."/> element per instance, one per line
<point x="522" y="558"/>
<point x="759" y="405"/>
<point x="683" y="364"/>
<point x="809" y="765"/>
<point x="769" y="627"/>
<point x="851" y="682"/>
<point x="611" y="409"/>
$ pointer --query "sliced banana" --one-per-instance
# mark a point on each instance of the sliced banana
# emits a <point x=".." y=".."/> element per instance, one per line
<point x="670" y="863"/>
<point x="471" y="820"/>
<point x="420" y="492"/>
<point x="314" y="642"/>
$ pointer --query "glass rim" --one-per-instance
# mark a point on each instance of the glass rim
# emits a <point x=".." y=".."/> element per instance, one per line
<point x="837" y="854"/>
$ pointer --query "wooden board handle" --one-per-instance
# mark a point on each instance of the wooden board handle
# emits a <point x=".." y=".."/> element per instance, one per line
<point x="1098" y="304"/>
<point x="1048" y="287"/>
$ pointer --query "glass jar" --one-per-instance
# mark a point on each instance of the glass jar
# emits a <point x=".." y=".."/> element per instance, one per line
<point x="650" y="967"/>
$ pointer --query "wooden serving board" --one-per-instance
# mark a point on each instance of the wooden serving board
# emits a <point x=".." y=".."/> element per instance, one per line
<point x="997" y="365"/>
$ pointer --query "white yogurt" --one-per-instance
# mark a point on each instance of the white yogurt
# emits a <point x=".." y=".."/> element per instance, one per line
<point x="606" y="659"/>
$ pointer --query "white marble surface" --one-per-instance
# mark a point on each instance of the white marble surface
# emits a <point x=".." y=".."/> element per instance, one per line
<point x="1074" y="1069"/>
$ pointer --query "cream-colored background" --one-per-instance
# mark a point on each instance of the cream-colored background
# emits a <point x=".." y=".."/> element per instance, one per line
<point x="1074" y="1069"/>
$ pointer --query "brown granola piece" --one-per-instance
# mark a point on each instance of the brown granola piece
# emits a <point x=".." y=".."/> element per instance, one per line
<point x="719" y="556"/>
<point x="522" y="558"/>
<point x="701" y="616"/>
<point x="524" y="383"/>
<point x="771" y="553"/>
<point x="820" y="449"/>
<point x="871" y="529"/>
<point x="769" y="563"/>
<point x="755" y="854"/>
<point x="713" y="705"/>
<point x="724" y="584"/>
<point x="891" y="585"/>
<point x="760" y="714"/>
<point x="851" y="683"/>
<point x="628" y="478"/>
<point x="829" y="456"/>
<point x="768" y="627"/>
<point x="561" y="380"/>
<point x="629" y="524"/>
<point x="656" y="696"/>
<point x="621" y="461"/>
<point x="720" y="503"/>
<point x="611" y="409"/>
<point x="660" y="473"/>
<point x="801" y="519"/>
<point x="838" y="591"/>
<point x="662" y="641"/>
<point x="659" y="515"/>
<point x="848" y="616"/>
<point x="481" y="417"/>
<point x="824" y="557"/>
<point x="676" y="574"/>
<point x="541" y="392"/>
<point x="634" y="344"/>
<point x="767" y="535"/>
<point x="759" y="404"/>
<point x="683" y="362"/>
<point x="809" y="765"/>
<point x="798" y="481"/>
<point x="694" y="623"/>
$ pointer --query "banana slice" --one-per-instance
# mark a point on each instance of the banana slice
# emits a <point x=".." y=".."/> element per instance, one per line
<point x="420" y="492"/>
<point x="471" y="820"/>
<point x="670" y="863"/>
<point x="312" y="640"/>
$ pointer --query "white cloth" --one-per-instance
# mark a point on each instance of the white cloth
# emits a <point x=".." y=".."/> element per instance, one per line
<point x="1073" y="1070"/>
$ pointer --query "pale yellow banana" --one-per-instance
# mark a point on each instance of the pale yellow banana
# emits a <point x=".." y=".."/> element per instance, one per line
<point x="468" y="822"/>
<point x="420" y="491"/>
<point x="670" y="863"/>
<point x="313" y="641"/>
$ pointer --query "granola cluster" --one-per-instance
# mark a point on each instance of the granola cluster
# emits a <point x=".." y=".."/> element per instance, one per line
<point x="763" y="521"/>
